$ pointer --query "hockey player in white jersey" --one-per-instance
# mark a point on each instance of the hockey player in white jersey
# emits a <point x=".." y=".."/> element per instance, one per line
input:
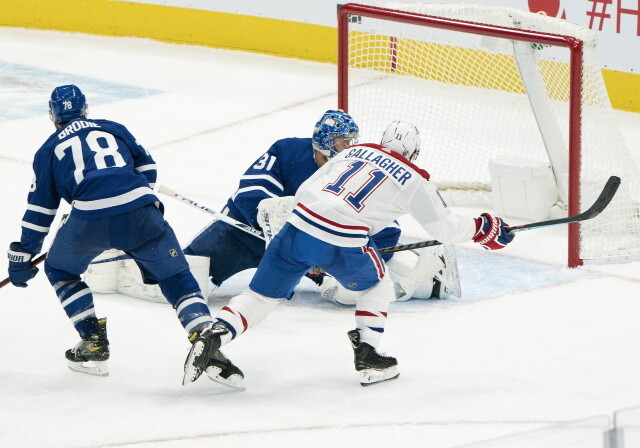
<point x="357" y="193"/>
<point x="430" y="272"/>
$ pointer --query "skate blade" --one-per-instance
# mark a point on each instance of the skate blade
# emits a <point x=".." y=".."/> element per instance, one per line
<point x="369" y="377"/>
<point x="191" y="371"/>
<point x="96" y="368"/>
<point x="234" y="381"/>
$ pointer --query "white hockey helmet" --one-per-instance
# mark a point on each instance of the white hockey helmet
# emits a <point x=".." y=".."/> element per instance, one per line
<point x="403" y="138"/>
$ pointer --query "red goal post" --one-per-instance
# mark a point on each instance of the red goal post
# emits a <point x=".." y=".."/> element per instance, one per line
<point x="407" y="63"/>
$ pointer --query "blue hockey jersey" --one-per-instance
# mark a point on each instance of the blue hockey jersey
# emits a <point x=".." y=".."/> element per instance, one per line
<point x="278" y="172"/>
<point x="95" y="165"/>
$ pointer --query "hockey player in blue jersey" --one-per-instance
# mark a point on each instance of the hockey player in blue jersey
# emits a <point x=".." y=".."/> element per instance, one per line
<point x="277" y="173"/>
<point x="107" y="176"/>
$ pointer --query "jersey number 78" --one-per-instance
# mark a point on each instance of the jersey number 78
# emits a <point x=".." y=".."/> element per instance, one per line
<point x="75" y="143"/>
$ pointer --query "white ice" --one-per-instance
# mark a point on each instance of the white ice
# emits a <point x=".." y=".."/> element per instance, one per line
<point x="531" y="344"/>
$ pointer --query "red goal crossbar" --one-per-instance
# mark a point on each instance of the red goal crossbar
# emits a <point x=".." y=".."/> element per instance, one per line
<point x="574" y="45"/>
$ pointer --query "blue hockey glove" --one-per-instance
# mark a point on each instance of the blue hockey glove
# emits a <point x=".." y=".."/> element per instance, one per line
<point x="20" y="270"/>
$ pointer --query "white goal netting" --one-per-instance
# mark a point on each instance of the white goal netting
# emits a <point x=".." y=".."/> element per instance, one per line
<point x="477" y="98"/>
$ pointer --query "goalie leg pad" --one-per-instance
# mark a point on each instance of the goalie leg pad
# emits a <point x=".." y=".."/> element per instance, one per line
<point x="430" y="272"/>
<point x="102" y="274"/>
<point x="130" y="282"/>
<point x="332" y="290"/>
<point x="414" y="271"/>
<point x="449" y="278"/>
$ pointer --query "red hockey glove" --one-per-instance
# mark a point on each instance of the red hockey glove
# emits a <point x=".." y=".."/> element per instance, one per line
<point x="491" y="232"/>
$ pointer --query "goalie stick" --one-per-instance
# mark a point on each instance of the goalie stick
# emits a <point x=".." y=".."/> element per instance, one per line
<point x="224" y="218"/>
<point x="605" y="197"/>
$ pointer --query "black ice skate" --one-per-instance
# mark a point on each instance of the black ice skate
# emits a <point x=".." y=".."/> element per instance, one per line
<point x="221" y="370"/>
<point x="373" y="366"/>
<point x="90" y="355"/>
<point x="204" y="355"/>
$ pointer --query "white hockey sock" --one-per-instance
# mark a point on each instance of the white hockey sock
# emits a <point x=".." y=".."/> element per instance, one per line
<point x="371" y="311"/>
<point x="244" y="311"/>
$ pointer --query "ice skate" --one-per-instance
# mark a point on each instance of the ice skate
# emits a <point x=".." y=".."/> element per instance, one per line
<point x="221" y="370"/>
<point x="373" y="366"/>
<point x="90" y="355"/>
<point x="205" y="343"/>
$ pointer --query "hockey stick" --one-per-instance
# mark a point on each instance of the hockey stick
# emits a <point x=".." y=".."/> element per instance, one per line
<point x="605" y="197"/>
<point x="224" y="218"/>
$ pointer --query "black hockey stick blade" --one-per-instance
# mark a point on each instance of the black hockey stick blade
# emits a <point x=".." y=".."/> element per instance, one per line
<point x="606" y="195"/>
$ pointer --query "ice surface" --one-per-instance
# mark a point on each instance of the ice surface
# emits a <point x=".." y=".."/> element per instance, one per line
<point x="530" y="344"/>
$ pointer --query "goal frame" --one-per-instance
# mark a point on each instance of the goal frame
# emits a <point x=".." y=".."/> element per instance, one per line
<point x="574" y="45"/>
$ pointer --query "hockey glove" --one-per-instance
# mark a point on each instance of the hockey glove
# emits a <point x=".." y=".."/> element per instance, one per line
<point x="491" y="232"/>
<point x="20" y="270"/>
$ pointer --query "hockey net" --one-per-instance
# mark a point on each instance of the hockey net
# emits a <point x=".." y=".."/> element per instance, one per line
<point x="483" y="83"/>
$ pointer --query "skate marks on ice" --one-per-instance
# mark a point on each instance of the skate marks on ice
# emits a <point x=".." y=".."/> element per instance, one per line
<point x="23" y="87"/>
<point x="483" y="275"/>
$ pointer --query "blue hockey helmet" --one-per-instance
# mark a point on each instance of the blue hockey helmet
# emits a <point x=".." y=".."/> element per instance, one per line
<point x="334" y="123"/>
<point x="67" y="103"/>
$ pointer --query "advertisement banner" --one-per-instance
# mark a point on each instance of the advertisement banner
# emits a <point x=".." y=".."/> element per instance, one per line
<point x="616" y="22"/>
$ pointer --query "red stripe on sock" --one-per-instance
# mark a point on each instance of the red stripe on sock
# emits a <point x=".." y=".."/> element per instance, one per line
<point x="365" y="313"/>
<point x="245" y="324"/>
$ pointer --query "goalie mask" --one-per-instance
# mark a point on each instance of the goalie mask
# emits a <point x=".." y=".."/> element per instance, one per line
<point x="334" y="123"/>
<point x="403" y="138"/>
<point x="67" y="103"/>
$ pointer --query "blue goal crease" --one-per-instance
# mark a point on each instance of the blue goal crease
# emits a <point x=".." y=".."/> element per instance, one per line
<point x="483" y="275"/>
<point x="25" y="90"/>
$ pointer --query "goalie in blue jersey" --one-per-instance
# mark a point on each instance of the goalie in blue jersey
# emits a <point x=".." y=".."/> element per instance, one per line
<point x="107" y="176"/>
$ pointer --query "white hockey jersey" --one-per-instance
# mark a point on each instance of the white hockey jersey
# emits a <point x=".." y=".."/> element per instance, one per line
<point x="363" y="190"/>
